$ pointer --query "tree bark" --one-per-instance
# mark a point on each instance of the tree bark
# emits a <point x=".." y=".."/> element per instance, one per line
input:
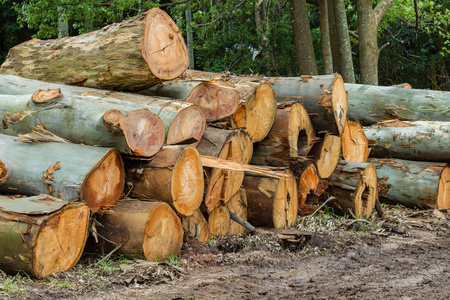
<point x="151" y="228"/>
<point x="354" y="185"/>
<point x="41" y="235"/>
<point x="197" y="225"/>
<point x="238" y="206"/>
<point x="128" y="56"/>
<point x="217" y="99"/>
<point x="343" y="39"/>
<point x="190" y="37"/>
<point x="184" y="123"/>
<point x="302" y="38"/>
<point x="271" y="202"/>
<point x="333" y="38"/>
<point x="412" y="183"/>
<point x="372" y="104"/>
<point x="420" y="140"/>
<point x="174" y="175"/>
<point x="325" y="37"/>
<point x="355" y="146"/>
<point x="94" y="175"/>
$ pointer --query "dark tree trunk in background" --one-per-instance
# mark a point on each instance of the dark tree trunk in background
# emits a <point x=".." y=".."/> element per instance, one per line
<point x="325" y="37"/>
<point x="302" y="38"/>
<point x="346" y="62"/>
<point x="333" y="38"/>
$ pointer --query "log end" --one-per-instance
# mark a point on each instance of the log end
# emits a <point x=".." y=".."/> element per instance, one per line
<point x="308" y="183"/>
<point x="217" y="99"/>
<point x="187" y="127"/>
<point x="443" y="196"/>
<point x="238" y="206"/>
<point x="339" y="103"/>
<point x="197" y="225"/>
<point x="327" y="154"/>
<point x="163" y="47"/>
<point x="301" y="131"/>
<point x="61" y="240"/>
<point x="187" y="182"/>
<point x="163" y="233"/>
<point x="42" y="96"/>
<point x="366" y="193"/>
<point x="285" y="204"/>
<point x="3" y="171"/>
<point x="103" y="185"/>
<point x="355" y="146"/>
<point x="219" y="221"/>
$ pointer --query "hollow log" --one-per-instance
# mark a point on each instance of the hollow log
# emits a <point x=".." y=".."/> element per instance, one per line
<point x="271" y="202"/>
<point x="372" y="104"/>
<point x="67" y="171"/>
<point x="130" y="130"/>
<point x="324" y="98"/>
<point x="217" y="99"/>
<point x="413" y="183"/>
<point x="41" y="235"/>
<point x="232" y="145"/>
<point x="291" y="136"/>
<point x="219" y="220"/>
<point x="184" y="123"/>
<point x="197" y="225"/>
<point x="419" y="140"/>
<point x="326" y="154"/>
<point x="151" y="228"/>
<point x="354" y="185"/>
<point x="128" y="56"/>
<point x="355" y="146"/>
<point x="174" y="175"/>
<point x="238" y="206"/>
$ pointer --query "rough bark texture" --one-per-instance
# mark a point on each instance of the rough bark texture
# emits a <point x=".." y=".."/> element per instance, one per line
<point x="302" y="38"/>
<point x="41" y="235"/>
<point x="175" y="176"/>
<point x="94" y="175"/>
<point x="413" y="183"/>
<point x="151" y="228"/>
<point x="333" y="38"/>
<point x="372" y="104"/>
<point x="131" y="55"/>
<point x="325" y="37"/>
<point x="346" y="62"/>
<point x="355" y="146"/>
<point x="420" y="140"/>
<point x="197" y="225"/>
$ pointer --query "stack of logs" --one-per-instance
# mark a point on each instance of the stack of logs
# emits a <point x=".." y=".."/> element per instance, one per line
<point x="137" y="150"/>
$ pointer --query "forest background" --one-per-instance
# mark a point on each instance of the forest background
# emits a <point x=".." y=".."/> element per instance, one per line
<point x="383" y="42"/>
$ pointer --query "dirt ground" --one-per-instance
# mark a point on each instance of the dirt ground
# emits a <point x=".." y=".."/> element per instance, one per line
<point x="404" y="255"/>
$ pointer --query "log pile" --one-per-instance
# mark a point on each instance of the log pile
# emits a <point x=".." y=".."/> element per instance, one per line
<point x="201" y="153"/>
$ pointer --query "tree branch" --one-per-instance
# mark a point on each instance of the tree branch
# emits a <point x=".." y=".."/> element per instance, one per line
<point x="380" y="10"/>
<point x="220" y="16"/>
<point x="382" y="47"/>
<point x="174" y="3"/>
<point x="352" y="34"/>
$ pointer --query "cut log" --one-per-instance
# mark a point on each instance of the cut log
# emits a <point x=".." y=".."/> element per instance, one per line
<point x="140" y="226"/>
<point x="184" y="123"/>
<point x="3" y="171"/>
<point x="326" y="155"/>
<point x="308" y="183"/>
<point x="324" y="98"/>
<point x="413" y="183"/>
<point x="291" y="136"/>
<point x="271" y="202"/>
<point x="232" y="145"/>
<point x="197" y="225"/>
<point x="238" y="206"/>
<point x="419" y="140"/>
<point x="219" y="220"/>
<point x="67" y="171"/>
<point x="354" y="185"/>
<point x="403" y="85"/>
<point x="95" y="122"/>
<point x="217" y="99"/>
<point x="41" y="235"/>
<point x="372" y="104"/>
<point x="355" y="146"/>
<point x="174" y="175"/>
<point x="132" y="55"/>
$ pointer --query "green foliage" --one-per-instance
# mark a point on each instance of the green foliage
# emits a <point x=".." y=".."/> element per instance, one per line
<point x="172" y="260"/>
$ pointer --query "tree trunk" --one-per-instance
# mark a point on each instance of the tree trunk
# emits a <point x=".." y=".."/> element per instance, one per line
<point x="292" y="135"/>
<point x="219" y="220"/>
<point x="271" y="202"/>
<point x="231" y="145"/>
<point x="130" y="129"/>
<point x="302" y="38"/>
<point x="238" y="206"/>
<point x="325" y="37"/>
<point x="412" y="183"/>
<point x="217" y="99"/>
<point x="189" y="35"/>
<point x="354" y="185"/>
<point x="326" y="154"/>
<point x="41" y="235"/>
<point x="151" y="228"/>
<point x="132" y="55"/>
<point x="197" y="225"/>
<point x="175" y="176"/>
<point x="323" y="97"/>
<point x="333" y="38"/>
<point x="355" y="146"/>
<point x="372" y="104"/>
<point x="94" y="175"/>
<point x="343" y="39"/>
<point x="184" y="123"/>
<point x="420" y="140"/>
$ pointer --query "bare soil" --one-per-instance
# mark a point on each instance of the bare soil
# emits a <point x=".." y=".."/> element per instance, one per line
<point x="404" y="255"/>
